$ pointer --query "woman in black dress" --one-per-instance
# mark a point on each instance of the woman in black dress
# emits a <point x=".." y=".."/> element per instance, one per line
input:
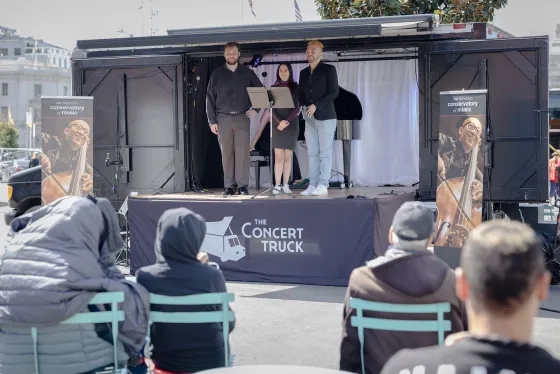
<point x="285" y="130"/>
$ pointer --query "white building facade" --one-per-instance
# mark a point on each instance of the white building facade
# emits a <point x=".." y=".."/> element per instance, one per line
<point x="30" y="69"/>
<point x="554" y="61"/>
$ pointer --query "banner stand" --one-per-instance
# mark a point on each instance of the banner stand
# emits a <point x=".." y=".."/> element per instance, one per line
<point x="66" y="147"/>
<point x="459" y="195"/>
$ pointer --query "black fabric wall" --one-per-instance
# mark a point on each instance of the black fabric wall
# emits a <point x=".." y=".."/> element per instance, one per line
<point x="204" y="153"/>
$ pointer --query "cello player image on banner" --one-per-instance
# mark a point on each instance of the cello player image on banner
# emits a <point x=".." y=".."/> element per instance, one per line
<point x="460" y="161"/>
<point x="66" y="148"/>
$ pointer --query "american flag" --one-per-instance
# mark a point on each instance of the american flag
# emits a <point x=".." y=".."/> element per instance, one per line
<point x="251" y="5"/>
<point x="298" y="13"/>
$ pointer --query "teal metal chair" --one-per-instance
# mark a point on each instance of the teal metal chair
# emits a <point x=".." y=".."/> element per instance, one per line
<point x="439" y="325"/>
<point x="113" y="316"/>
<point x="225" y="316"/>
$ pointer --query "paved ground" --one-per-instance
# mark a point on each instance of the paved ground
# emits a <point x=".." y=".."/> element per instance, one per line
<point x="301" y="325"/>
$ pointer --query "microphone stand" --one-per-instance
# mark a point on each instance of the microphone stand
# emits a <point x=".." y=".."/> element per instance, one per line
<point x="270" y="165"/>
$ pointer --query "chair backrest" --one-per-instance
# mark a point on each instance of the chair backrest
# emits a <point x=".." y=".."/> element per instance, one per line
<point x="113" y="316"/>
<point x="439" y="325"/>
<point x="225" y="316"/>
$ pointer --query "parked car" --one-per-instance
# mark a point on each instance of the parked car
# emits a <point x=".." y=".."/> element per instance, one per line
<point x="15" y="166"/>
<point x="24" y="192"/>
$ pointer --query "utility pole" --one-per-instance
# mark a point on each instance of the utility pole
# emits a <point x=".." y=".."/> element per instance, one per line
<point x="154" y="14"/>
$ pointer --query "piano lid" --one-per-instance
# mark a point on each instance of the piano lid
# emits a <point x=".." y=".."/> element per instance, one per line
<point x="347" y="106"/>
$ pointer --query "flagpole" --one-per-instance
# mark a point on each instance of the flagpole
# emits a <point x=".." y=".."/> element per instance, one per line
<point x="242" y="2"/>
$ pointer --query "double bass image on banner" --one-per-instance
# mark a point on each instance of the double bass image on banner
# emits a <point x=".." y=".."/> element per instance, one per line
<point x="66" y="147"/>
<point x="462" y="126"/>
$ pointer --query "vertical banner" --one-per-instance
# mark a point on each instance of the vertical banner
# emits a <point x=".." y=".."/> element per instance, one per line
<point x="66" y="147"/>
<point x="462" y="126"/>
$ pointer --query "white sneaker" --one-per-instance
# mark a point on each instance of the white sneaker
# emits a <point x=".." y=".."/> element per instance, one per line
<point x="276" y="190"/>
<point x="308" y="191"/>
<point x="320" y="191"/>
<point x="286" y="189"/>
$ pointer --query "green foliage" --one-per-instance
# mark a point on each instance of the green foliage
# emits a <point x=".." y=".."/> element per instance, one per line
<point x="8" y="136"/>
<point x="450" y="11"/>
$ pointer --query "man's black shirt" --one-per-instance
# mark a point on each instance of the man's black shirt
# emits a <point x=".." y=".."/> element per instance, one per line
<point x="319" y="87"/>
<point x="474" y="355"/>
<point x="227" y="91"/>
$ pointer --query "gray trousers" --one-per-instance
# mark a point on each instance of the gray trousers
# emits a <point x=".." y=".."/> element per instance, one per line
<point x="234" y="138"/>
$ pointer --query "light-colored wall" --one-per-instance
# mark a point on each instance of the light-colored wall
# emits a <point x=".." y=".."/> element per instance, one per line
<point x="21" y="78"/>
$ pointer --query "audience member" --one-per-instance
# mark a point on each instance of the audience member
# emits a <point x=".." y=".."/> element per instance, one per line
<point x="408" y="273"/>
<point x="183" y="348"/>
<point x="502" y="279"/>
<point x="57" y="258"/>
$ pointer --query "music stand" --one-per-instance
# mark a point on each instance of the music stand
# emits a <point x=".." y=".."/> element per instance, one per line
<point x="273" y="97"/>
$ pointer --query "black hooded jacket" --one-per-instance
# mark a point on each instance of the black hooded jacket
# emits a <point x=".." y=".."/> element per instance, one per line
<point x="183" y="348"/>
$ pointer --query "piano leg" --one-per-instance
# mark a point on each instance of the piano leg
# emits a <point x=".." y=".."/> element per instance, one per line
<point x="347" y="160"/>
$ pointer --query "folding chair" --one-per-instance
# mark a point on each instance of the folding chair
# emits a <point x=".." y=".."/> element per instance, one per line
<point x="225" y="316"/>
<point x="438" y="325"/>
<point x="114" y="316"/>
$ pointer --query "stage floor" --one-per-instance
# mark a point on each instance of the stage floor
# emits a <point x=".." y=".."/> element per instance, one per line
<point x="334" y="193"/>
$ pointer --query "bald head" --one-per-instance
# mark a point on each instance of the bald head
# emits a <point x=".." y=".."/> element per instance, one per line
<point x="77" y="133"/>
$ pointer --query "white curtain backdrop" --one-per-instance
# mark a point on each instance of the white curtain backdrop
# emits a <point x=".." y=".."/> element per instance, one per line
<point x="387" y="151"/>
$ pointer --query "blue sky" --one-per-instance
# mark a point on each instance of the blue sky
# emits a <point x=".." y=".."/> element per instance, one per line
<point x="62" y="22"/>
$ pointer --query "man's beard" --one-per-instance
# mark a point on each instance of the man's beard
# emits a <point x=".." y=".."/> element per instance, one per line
<point x="231" y="63"/>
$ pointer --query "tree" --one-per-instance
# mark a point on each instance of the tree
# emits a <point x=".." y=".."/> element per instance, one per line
<point x="8" y="136"/>
<point x="450" y="11"/>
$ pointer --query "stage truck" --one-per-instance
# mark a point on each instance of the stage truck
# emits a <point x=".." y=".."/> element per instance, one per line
<point x="149" y="95"/>
<point x="151" y="135"/>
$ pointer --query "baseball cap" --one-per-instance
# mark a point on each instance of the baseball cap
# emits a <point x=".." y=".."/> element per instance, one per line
<point x="413" y="221"/>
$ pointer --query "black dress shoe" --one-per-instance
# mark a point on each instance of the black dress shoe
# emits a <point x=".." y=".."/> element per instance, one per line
<point x="228" y="191"/>
<point x="243" y="191"/>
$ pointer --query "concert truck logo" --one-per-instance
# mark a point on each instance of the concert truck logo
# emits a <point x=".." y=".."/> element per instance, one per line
<point x="222" y="242"/>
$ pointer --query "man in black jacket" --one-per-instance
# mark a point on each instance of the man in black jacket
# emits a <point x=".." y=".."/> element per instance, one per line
<point x="229" y="108"/>
<point x="318" y="87"/>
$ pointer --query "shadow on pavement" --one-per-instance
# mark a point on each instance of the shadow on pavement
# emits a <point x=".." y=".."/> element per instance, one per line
<point x="306" y="293"/>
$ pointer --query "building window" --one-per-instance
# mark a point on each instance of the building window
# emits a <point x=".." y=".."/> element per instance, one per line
<point x="17" y="51"/>
<point x="3" y="51"/>
<point x="65" y="90"/>
<point x="28" y="50"/>
<point x="36" y="115"/>
<point x="65" y="64"/>
<point x="38" y="90"/>
<point x="4" y="113"/>
<point x="4" y="89"/>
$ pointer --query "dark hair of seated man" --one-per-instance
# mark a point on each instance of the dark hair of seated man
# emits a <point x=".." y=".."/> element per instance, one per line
<point x="503" y="279"/>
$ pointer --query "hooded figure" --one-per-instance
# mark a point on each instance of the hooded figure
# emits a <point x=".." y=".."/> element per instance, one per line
<point x="183" y="348"/>
<point x="57" y="259"/>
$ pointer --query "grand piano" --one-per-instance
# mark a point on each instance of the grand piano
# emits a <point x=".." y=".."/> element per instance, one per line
<point x="348" y="111"/>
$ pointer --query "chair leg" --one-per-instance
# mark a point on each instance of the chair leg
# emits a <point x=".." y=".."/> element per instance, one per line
<point x="258" y="175"/>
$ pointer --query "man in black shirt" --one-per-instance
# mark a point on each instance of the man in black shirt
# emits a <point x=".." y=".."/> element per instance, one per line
<point x="502" y="279"/>
<point x="317" y="89"/>
<point x="229" y="108"/>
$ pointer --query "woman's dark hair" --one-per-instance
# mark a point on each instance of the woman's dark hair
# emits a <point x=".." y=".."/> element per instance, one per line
<point x="291" y="83"/>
